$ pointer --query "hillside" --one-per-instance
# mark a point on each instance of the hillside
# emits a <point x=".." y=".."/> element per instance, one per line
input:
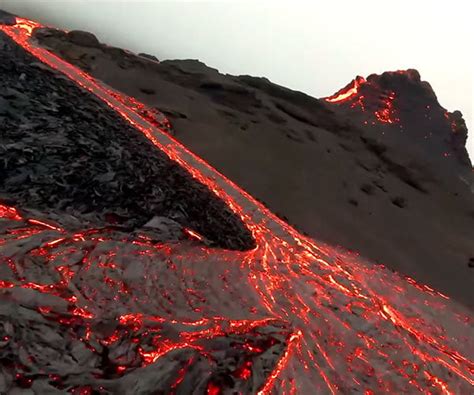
<point x="382" y="170"/>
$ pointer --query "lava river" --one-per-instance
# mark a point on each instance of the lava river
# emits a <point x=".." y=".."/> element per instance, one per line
<point x="302" y="317"/>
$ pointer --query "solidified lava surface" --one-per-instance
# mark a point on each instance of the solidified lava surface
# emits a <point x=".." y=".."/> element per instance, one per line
<point x="66" y="151"/>
<point x="87" y="309"/>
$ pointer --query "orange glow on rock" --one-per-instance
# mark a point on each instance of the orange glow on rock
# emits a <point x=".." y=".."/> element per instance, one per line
<point x="348" y="92"/>
<point x="27" y="25"/>
<point x="387" y="113"/>
<point x="345" y="325"/>
<point x="193" y="234"/>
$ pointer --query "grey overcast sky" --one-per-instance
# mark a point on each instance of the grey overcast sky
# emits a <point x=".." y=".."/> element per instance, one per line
<point x="312" y="46"/>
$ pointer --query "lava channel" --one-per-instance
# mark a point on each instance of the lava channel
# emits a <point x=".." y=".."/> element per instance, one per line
<point x="298" y="316"/>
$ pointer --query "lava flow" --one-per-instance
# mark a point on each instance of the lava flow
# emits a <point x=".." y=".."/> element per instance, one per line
<point x="355" y="94"/>
<point x="336" y="323"/>
<point x="348" y="92"/>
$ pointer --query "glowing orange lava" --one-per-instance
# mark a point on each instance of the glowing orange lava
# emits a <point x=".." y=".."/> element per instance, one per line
<point x="352" y="96"/>
<point x="27" y="25"/>
<point x="347" y="93"/>
<point x="351" y="326"/>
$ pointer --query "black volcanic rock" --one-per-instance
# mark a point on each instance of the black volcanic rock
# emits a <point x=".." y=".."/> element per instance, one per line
<point x="151" y="57"/>
<point x="65" y="151"/>
<point x="85" y="39"/>
<point x="420" y="125"/>
<point x="6" y="18"/>
<point x="458" y="137"/>
<point x="43" y="34"/>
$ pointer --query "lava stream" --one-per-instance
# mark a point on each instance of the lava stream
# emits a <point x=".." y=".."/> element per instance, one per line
<point x="348" y="92"/>
<point x="348" y="326"/>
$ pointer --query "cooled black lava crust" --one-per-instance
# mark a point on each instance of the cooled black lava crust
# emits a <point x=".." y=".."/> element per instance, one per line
<point x="63" y="149"/>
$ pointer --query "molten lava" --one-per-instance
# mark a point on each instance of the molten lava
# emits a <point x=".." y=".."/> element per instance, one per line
<point x="27" y="25"/>
<point x="348" y="92"/>
<point x="352" y="95"/>
<point x="346" y="326"/>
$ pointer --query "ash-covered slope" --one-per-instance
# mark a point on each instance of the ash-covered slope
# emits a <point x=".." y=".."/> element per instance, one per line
<point x="380" y="167"/>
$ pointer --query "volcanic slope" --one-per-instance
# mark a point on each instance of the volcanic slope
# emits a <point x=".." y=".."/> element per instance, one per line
<point x="380" y="167"/>
<point x="131" y="198"/>
<point x="107" y="310"/>
<point x="65" y="151"/>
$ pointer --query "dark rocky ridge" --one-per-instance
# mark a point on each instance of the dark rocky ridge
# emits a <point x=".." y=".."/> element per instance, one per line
<point x="423" y="128"/>
<point x="391" y="196"/>
<point x="6" y="18"/>
<point x="63" y="150"/>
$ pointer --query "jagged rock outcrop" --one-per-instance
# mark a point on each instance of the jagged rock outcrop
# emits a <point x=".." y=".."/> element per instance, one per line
<point x="412" y="118"/>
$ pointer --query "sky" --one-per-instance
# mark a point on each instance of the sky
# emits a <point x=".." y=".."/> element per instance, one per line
<point x="313" y="46"/>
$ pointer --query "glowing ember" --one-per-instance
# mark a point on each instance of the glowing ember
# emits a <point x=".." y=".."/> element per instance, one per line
<point x="193" y="234"/>
<point x="451" y="121"/>
<point x="387" y="113"/>
<point x="27" y="25"/>
<point x="359" y="103"/>
<point x="344" y="326"/>
<point x="384" y="112"/>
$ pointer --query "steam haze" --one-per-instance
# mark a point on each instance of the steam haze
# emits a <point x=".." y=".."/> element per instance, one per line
<point x="315" y="48"/>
